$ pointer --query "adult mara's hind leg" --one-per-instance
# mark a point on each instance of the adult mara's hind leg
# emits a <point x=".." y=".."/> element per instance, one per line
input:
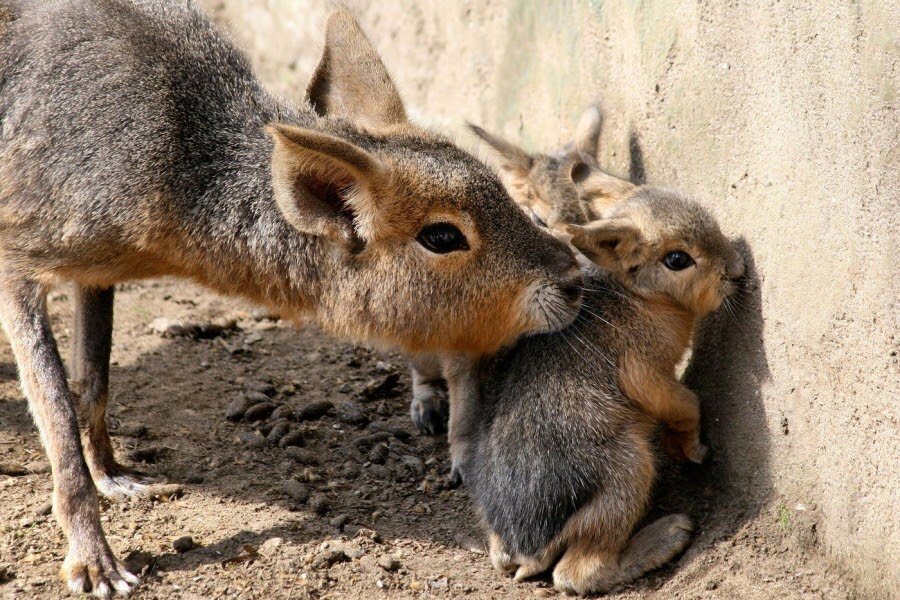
<point x="92" y="343"/>
<point x="89" y="565"/>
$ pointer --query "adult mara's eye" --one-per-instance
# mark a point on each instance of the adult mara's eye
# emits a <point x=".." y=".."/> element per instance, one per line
<point x="677" y="260"/>
<point x="442" y="238"/>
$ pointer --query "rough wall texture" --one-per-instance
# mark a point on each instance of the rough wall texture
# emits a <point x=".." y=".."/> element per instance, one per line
<point x="783" y="117"/>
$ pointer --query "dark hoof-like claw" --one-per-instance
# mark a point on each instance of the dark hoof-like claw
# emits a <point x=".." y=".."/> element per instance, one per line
<point x="454" y="479"/>
<point x="429" y="415"/>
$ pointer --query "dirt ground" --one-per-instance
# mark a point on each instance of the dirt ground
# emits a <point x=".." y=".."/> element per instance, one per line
<point x="354" y="505"/>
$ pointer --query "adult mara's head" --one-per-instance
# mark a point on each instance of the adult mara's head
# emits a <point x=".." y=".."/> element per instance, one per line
<point x="428" y="251"/>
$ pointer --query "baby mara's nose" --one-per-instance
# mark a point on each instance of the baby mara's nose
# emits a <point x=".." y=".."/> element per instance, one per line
<point x="735" y="268"/>
<point x="572" y="286"/>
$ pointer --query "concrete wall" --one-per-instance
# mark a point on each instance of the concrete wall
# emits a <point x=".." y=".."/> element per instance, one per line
<point x="783" y="117"/>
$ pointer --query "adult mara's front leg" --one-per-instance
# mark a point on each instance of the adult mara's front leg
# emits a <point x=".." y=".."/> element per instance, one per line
<point x="92" y="343"/>
<point x="89" y="565"/>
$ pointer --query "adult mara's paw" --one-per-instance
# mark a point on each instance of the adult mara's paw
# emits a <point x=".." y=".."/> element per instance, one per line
<point x="94" y="570"/>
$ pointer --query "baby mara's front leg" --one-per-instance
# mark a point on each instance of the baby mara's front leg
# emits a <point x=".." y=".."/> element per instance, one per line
<point x="668" y="400"/>
<point x="428" y="407"/>
<point x="463" y="375"/>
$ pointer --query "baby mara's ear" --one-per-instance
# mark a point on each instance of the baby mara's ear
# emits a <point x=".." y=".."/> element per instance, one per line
<point x="586" y="140"/>
<point x="614" y="244"/>
<point x="513" y="159"/>
<point x="598" y="190"/>
<point x="324" y="186"/>
<point x="351" y="81"/>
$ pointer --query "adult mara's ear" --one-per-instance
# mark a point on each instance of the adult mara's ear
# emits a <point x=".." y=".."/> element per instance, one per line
<point x="513" y="159"/>
<point x="351" y="81"/>
<point x="324" y="185"/>
<point x="614" y="244"/>
<point x="598" y="190"/>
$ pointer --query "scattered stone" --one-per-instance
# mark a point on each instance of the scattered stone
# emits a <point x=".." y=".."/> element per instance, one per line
<point x="379" y="454"/>
<point x="366" y="442"/>
<point x="344" y="388"/>
<point x="253" y="338"/>
<point x="13" y="469"/>
<point x="167" y="327"/>
<point x="339" y="521"/>
<point x="284" y="412"/>
<point x="44" y="510"/>
<point x="382" y="387"/>
<point x="356" y="552"/>
<point x="147" y="454"/>
<point x="270" y="546"/>
<point x="301" y="455"/>
<point x="296" y="490"/>
<point x="237" y="408"/>
<point x="279" y="430"/>
<point x="319" y="503"/>
<point x="439" y="584"/>
<point x="399" y="433"/>
<point x="259" y="411"/>
<point x="388" y="562"/>
<point x="294" y="438"/>
<point x="252" y="439"/>
<point x="214" y="329"/>
<point x="352" y="414"/>
<point x="330" y="557"/>
<point x="314" y="410"/>
<point x="263" y="314"/>
<point x="183" y="544"/>
<point x="413" y="464"/>
<point x="131" y="430"/>
<point x="384" y="367"/>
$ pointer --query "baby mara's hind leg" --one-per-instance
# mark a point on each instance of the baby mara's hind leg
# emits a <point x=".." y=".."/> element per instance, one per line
<point x="520" y="567"/>
<point x="428" y="407"/>
<point x="588" y="567"/>
<point x="91" y="348"/>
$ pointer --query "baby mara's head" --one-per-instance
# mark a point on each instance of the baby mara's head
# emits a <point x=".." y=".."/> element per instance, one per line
<point x="663" y="246"/>
<point x="654" y="242"/>
<point x="563" y="187"/>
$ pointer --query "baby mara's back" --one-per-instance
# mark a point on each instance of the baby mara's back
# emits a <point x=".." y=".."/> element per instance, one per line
<point x="556" y="431"/>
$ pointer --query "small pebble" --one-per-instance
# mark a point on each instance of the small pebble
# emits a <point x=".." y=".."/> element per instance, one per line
<point x="261" y="387"/>
<point x="237" y="408"/>
<point x="293" y="438"/>
<point x="378" y="454"/>
<point x="330" y="557"/>
<point x="301" y="455"/>
<point x="270" y="546"/>
<point x="296" y="490"/>
<point x="314" y="410"/>
<point x="278" y="431"/>
<point x="284" y="412"/>
<point x="319" y="503"/>
<point x="388" y="562"/>
<point x="183" y="544"/>
<point x="339" y="521"/>
<point x="259" y="411"/>
<point x="252" y="439"/>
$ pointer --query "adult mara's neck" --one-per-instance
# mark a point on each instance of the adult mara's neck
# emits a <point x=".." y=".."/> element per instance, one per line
<point x="236" y="240"/>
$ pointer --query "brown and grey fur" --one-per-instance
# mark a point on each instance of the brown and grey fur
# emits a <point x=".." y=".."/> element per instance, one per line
<point x="558" y="447"/>
<point x="136" y="142"/>
<point x="569" y="188"/>
<point x="555" y="189"/>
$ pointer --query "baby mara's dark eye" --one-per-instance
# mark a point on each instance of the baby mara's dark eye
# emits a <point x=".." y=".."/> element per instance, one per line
<point x="442" y="238"/>
<point x="537" y="218"/>
<point x="677" y="260"/>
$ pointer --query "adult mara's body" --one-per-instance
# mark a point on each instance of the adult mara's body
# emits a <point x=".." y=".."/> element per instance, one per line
<point x="136" y="142"/>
